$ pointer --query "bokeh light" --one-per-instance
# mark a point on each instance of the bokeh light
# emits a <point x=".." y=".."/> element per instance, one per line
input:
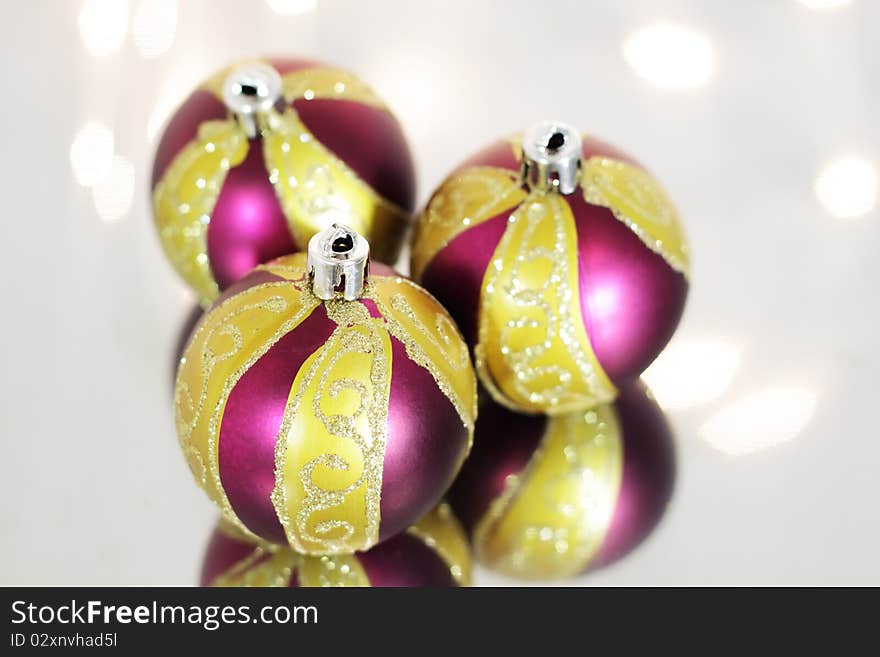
<point x="113" y="195"/>
<point x="691" y="373"/>
<point x="847" y="186"/>
<point x="760" y="420"/>
<point x="292" y="7"/>
<point x="103" y="25"/>
<point x="824" y="4"/>
<point x="670" y="56"/>
<point x="91" y="153"/>
<point x="154" y="26"/>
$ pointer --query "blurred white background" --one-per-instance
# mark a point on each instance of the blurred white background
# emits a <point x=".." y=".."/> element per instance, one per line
<point x="759" y="116"/>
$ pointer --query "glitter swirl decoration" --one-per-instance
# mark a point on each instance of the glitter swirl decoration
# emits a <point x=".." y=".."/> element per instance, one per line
<point x="223" y="347"/>
<point x="328" y="500"/>
<point x="304" y="420"/>
<point x="184" y="198"/>
<point x="562" y="297"/>
<point x="637" y="200"/>
<point x="552" y="497"/>
<point x="466" y="199"/>
<point x="528" y="333"/>
<point x="432" y="552"/>
<point x="224" y="203"/>
<point x="314" y="188"/>
<point x="550" y="521"/>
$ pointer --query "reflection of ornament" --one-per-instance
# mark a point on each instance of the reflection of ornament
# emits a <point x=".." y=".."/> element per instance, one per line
<point x="264" y="155"/>
<point x="433" y="552"/>
<point x="329" y="424"/>
<point x="552" y="497"/>
<point x="563" y="262"/>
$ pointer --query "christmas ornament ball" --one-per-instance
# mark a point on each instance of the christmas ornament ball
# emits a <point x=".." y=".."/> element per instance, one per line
<point x="562" y="260"/>
<point x="551" y="497"/>
<point x="323" y="406"/>
<point x="432" y="553"/>
<point x="268" y="152"/>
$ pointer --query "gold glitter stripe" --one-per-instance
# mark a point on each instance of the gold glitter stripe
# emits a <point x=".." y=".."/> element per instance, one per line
<point x="258" y="569"/>
<point x="423" y="326"/>
<point x="533" y="352"/>
<point x="464" y="200"/>
<point x="282" y="268"/>
<point x="636" y="199"/>
<point x="431" y="340"/>
<point x="276" y="566"/>
<point x="315" y="188"/>
<point x="441" y="531"/>
<point x="328" y="83"/>
<point x="331" y="447"/>
<point x="184" y="199"/>
<point x="228" y="341"/>
<point x="551" y="520"/>
<point x="337" y="570"/>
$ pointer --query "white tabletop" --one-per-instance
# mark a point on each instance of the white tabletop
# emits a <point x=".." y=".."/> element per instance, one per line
<point x="760" y="117"/>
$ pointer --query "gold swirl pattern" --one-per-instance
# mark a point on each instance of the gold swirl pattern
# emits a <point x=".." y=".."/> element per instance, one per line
<point x="636" y="199"/>
<point x="275" y="565"/>
<point x="227" y="342"/>
<point x="441" y="531"/>
<point x="431" y="340"/>
<point x="184" y="199"/>
<point x="464" y="200"/>
<point x="551" y="520"/>
<point x="315" y="188"/>
<point x="331" y="446"/>
<point x="533" y="353"/>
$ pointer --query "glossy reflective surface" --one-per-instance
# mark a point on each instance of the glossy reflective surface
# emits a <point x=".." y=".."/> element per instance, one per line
<point x="760" y="119"/>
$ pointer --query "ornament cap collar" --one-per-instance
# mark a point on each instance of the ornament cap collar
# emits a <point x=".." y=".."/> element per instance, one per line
<point x="338" y="263"/>
<point x="252" y="93"/>
<point x="551" y="157"/>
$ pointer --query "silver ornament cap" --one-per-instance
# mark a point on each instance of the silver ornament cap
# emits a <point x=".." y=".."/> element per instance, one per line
<point x="252" y="93"/>
<point x="551" y="157"/>
<point x="338" y="263"/>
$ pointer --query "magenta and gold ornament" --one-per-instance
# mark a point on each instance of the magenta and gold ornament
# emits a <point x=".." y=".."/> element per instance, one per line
<point x="324" y="401"/>
<point x="432" y="553"/>
<point x="267" y="153"/>
<point x="562" y="260"/>
<point x="549" y="497"/>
